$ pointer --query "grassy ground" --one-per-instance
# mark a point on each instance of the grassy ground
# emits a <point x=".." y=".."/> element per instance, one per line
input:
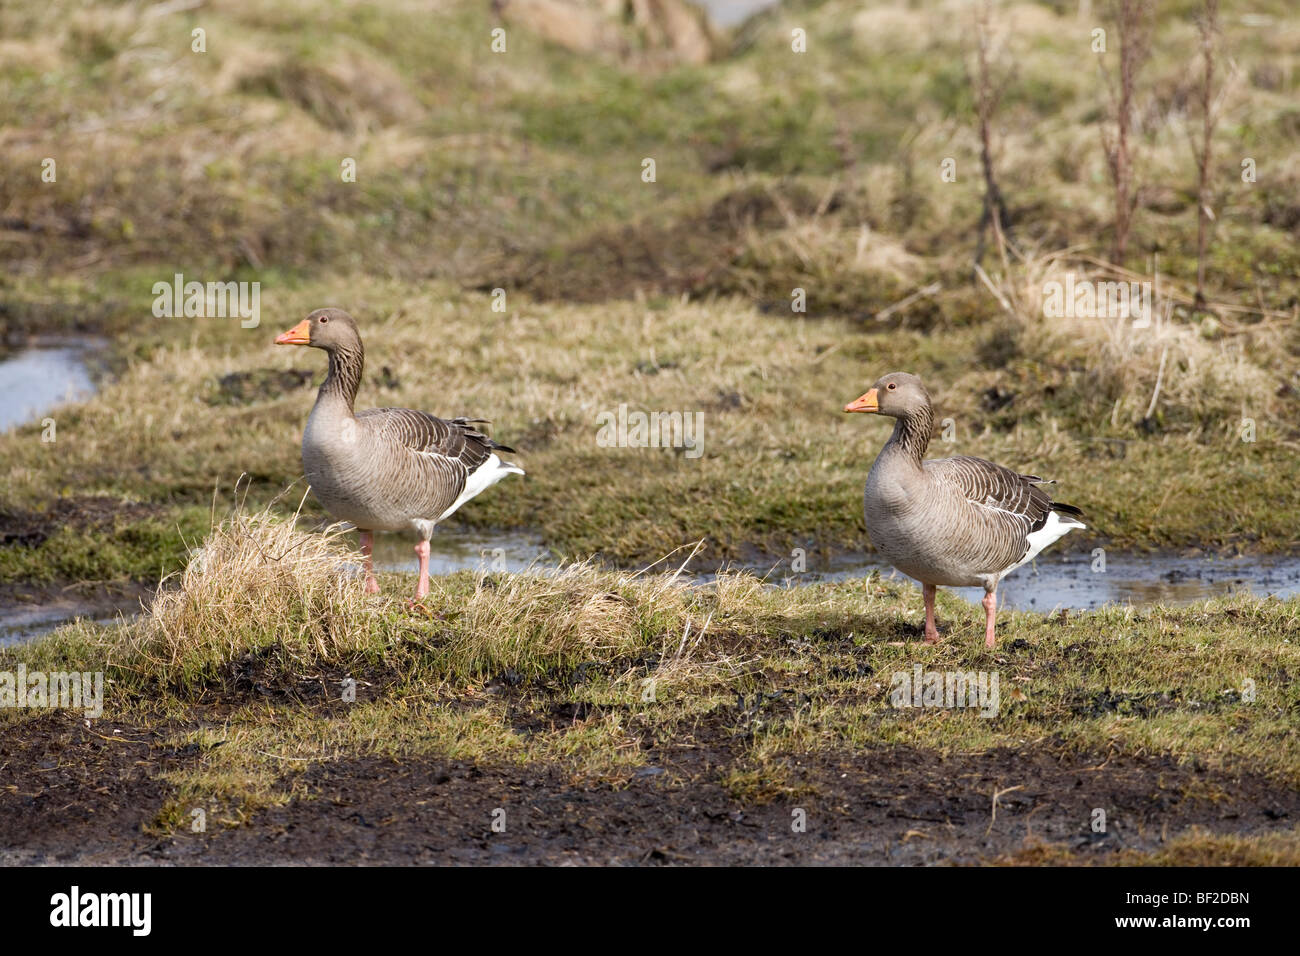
<point x="522" y="171"/>
<point x="603" y="678"/>
<point x="781" y="466"/>
<point x="775" y="171"/>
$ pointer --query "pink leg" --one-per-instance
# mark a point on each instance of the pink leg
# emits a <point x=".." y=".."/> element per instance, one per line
<point x="931" y="631"/>
<point x="367" y="547"/>
<point x="422" y="588"/>
<point x="990" y="615"/>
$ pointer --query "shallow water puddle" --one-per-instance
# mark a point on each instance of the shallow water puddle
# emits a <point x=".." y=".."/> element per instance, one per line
<point x="451" y="551"/>
<point x="1053" y="582"/>
<point x="1069" y="581"/>
<point x="40" y="378"/>
<point x="1057" y="581"/>
<point x="22" y="622"/>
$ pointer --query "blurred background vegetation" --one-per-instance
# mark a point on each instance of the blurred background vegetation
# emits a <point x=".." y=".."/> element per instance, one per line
<point x="775" y="170"/>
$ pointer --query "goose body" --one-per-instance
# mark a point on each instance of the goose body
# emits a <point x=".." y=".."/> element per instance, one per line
<point x="396" y="469"/>
<point x="957" y="522"/>
<point x="386" y="469"/>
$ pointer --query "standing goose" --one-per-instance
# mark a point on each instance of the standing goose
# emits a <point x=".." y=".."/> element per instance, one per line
<point x="957" y="522"/>
<point x="386" y="469"/>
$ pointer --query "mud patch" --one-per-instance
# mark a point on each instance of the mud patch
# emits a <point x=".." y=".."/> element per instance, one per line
<point x="84" y="513"/>
<point x="68" y="793"/>
<point x="270" y="674"/>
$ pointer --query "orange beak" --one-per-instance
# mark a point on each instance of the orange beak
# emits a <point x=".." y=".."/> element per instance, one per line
<point x="300" y="334"/>
<point x="867" y="403"/>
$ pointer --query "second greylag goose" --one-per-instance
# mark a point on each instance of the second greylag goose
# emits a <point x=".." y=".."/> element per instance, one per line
<point x="957" y="522"/>
<point x="386" y="469"/>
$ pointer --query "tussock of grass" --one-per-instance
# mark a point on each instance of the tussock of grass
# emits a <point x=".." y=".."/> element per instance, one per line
<point x="258" y="581"/>
<point x="649" y="622"/>
<point x="345" y="90"/>
<point x="524" y="623"/>
<point x="1181" y="371"/>
<point x="258" y="587"/>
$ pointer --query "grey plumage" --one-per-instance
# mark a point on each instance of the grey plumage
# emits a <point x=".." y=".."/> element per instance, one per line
<point x="386" y="469"/>
<point x="958" y="521"/>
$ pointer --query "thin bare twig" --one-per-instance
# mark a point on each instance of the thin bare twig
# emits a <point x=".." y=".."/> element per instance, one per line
<point x="1164" y="354"/>
<point x="996" y="794"/>
<point x="903" y="303"/>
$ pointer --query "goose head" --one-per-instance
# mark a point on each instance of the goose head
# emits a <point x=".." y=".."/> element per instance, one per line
<point x="897" y="394"/>
<point x="328" y="329"/>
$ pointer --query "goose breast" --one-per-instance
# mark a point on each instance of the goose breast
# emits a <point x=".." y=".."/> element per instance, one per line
<point x="913" y="530"/>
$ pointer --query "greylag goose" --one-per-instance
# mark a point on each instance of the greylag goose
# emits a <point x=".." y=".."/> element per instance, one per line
<point x="957" y="522"/>
<point x="386" y="469"/>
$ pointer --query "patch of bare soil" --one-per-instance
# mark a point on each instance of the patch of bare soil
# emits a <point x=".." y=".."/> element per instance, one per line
<point x="69" y="793"/>
<point x="89" y="513"/>
<point x="694" y="254"/>
<point x="262" y="384"/>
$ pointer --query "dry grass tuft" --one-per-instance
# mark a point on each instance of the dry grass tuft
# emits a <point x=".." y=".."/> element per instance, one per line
<point x="260" y="593"/>
<point x="525" y="623"/>
<point x="1172" y="366"/>
<point x="257" y="582"/>
<point x="346" y="90"/>
<point x="649" y="626"/>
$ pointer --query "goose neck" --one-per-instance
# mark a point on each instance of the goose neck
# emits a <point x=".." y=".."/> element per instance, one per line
<point x="912" y="433"/>
<point x="344" y="376"/>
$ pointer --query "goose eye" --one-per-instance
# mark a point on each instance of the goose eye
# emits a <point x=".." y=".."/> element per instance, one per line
<point x="322" y="320"/>
<point x="892" y="385"/>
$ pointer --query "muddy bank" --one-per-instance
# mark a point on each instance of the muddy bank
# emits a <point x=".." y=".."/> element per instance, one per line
<point x="31" y="607"/>
<point x="69" y="794"/>
<point x="28" y="323"/>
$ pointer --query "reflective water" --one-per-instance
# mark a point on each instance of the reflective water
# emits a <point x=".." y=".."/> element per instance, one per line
<point x="463" y="550"/>
<point x="1075" y="582"/>
<point x="36" y="380"/>
<point x="23" y="621"/>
